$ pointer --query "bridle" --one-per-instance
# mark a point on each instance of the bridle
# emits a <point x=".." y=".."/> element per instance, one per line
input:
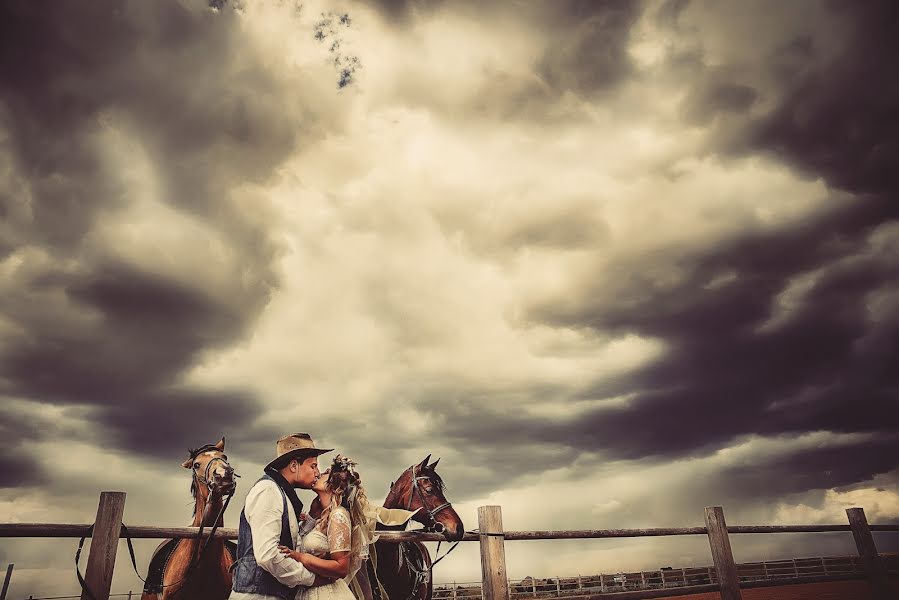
<point x="433" y="524"/>
<point x="210" y="485"/>
<point x="204" y="479"/>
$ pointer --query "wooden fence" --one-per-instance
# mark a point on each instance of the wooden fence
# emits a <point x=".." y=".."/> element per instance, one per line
<point x="724" y="577"/>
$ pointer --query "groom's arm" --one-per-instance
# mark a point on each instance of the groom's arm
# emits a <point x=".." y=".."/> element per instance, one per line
<point x="263" y="511"/>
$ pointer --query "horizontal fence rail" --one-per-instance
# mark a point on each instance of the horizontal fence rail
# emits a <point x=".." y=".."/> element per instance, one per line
<point x="66" y="530"/>
<point x="725" y="576"/>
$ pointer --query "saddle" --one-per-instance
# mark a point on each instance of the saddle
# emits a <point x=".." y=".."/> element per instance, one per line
<point x="160" y="560"/>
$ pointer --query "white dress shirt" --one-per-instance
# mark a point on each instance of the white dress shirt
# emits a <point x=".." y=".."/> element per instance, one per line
<point x="263" y="513"/>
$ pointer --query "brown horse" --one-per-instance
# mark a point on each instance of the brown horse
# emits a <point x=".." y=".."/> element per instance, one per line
<point x="192" y="568"/>
<point x="404" y="568"/>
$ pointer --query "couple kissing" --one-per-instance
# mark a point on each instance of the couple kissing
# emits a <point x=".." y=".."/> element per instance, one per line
<point x="284" y="553"/>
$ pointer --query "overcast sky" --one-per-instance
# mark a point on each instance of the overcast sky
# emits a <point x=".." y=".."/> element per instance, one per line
<point x="611" y="261"/>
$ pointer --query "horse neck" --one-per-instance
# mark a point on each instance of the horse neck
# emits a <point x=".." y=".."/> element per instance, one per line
<point x="396" y="499"/>
<point x="399" y="496"/>
<point x="204" y="517"/>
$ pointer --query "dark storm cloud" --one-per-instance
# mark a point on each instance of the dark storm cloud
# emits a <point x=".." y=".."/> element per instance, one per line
<point x="189" y="418"/>
<point x="837" y="120"/>
<point x="17" y="466"/>
<point x="834" y="112"/>
<point x="94" y="328"/>
<point x="827" y="367"/>
<point x="587" y="49"/>
<point x="715" y="97"/>
<point x="814" y="468"/>
<point x="151" y="329"/>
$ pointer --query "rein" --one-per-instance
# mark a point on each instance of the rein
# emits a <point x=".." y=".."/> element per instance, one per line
<point x="208" y="484"/>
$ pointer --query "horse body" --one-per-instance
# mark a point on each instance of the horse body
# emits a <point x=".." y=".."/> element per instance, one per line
<point x="199" y="569"/>
<point x="404" y="568"/>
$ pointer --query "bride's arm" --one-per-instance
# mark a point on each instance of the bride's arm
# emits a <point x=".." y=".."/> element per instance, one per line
<point x="337" y="566"/>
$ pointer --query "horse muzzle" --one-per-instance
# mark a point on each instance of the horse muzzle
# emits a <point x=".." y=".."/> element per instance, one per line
<point x="225" y="482"/>
<point x="452" y="532"/>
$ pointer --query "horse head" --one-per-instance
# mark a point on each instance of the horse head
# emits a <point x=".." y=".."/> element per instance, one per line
<point x="211" y="472"/>
<point x="420" y="487"/>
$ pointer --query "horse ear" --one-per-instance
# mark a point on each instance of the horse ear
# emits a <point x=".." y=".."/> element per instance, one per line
<point x="433" y="465"/>
<point x="187" y="464"/>
<point x="424" y="463"/>
<point x="221" y="444"/>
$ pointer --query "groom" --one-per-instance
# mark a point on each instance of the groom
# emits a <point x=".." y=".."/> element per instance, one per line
<point x="269" y="518"/>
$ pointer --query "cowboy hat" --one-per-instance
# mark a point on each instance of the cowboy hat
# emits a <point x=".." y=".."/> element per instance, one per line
<point x="294" y="445"/>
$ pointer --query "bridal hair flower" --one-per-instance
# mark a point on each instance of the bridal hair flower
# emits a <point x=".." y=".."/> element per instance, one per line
<point x="345" y="464"/>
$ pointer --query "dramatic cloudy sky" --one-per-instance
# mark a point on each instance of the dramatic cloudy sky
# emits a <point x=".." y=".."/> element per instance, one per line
<point x="612" y="261"/>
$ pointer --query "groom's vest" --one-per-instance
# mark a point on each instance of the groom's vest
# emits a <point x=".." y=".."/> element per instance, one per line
<point x="248" y="576"/>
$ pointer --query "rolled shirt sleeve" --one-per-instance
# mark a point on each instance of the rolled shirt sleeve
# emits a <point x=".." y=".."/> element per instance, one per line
<point x="263" y="513"/>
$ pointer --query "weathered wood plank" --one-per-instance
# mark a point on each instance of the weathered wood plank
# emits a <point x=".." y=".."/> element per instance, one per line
<point x="722" y="555"/>
<point x="104" y="544"/>
<point x="864" y="541"/>
<point x="6" y="581"/>
<point x="494" y="579"/>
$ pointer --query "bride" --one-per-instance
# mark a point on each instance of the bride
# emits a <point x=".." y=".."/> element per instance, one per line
<point x="338" y="545"/>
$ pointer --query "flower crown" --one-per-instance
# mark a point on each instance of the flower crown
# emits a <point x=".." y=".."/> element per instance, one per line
<point x="348" y="465"/>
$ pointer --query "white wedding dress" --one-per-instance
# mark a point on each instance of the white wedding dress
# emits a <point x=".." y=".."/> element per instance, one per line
<point x="333" y="536"/>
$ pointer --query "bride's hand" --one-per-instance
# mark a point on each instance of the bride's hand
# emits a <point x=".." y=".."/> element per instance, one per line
<point x="291" y="553"/>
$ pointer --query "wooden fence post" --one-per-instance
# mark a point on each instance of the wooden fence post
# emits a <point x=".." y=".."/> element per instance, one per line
<point x="494" y="581"/>
<point x="104" y="543"/>
<point x="864" y="541"/>
<point x="6" y="581"/>
<point x="722" y="555"/>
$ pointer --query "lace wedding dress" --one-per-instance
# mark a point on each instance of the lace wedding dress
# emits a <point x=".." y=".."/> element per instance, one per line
<point x="333" y="536"/>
